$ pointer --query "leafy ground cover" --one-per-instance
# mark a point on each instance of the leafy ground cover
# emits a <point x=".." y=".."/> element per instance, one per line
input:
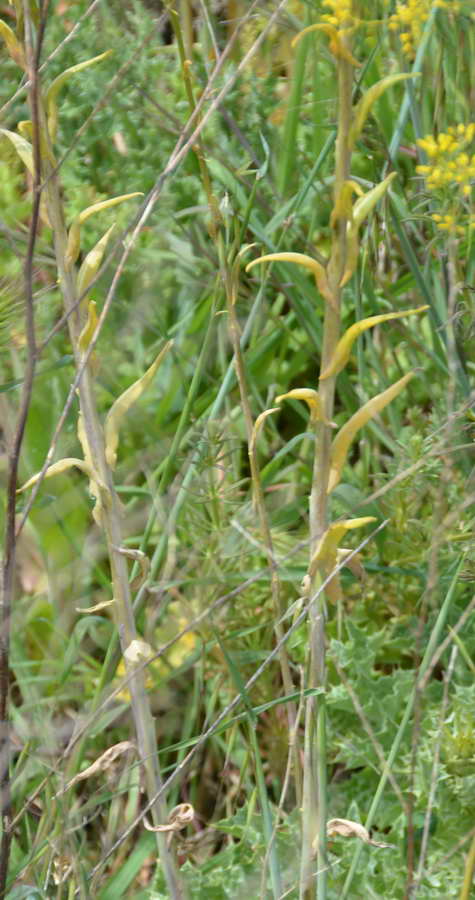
<point x="313" y="722"/>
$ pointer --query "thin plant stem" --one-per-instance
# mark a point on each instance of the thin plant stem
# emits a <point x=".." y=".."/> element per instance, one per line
<point x="315" y="761"/>
<point x="110" y="516"/>
<point x="32" y="54"/>
<point x="231" y="286"/>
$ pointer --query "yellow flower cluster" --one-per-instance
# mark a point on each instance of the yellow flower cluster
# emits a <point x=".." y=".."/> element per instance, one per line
<point x="450" y="166"/>
<point x="409" y="20"/>
<point x="340" y="15"/>
<point x="449" y="163"/>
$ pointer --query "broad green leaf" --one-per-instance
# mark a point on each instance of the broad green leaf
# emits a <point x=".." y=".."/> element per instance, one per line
<point x="57" y="84"/>
<point x="337" y="47"/>
<point x="89" y="328"/>
<point x="57" y="469"/>
<point x="74" y="236"/>
<point x="343" y="348"/>
<point x="363" y="108"/>
<point x="123" y="404"/>
<point x="311" y="398"/>
<point x="93" y="260"/>
<point x="14" y="47"/>
<point x="343" y="439"/>
<point x="301" y="259"/>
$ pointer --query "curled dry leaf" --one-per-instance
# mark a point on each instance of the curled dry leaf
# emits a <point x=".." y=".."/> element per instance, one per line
<point x="354" y="564"/>
<point x="258" y="425"/>
<point x="123" y="404"/>
<point x="343" y="348"/>
<point x="345" y="436"/>
<point x="178" y="819"/>
<point x="101" y="764"/>
<point x="313" y="401"/>
<point x="138" y="651"/>
<point x="92" y="609"/>
<point x="58" y="468"/>
<point x="348" y="828"/>
<point x="143" y="561"/>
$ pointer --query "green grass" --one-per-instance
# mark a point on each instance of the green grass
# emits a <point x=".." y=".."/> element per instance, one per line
<point x="184" y="478"/>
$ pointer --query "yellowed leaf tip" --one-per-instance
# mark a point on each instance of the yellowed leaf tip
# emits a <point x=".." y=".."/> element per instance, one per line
<point x="312" y="399"/>
<point x="345" y="344"/>
<point x="57" y="468"/>
<point x="345" y="436"/>
<point x="123" y="404"/>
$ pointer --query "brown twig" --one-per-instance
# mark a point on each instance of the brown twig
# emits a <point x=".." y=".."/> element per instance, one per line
<point x="33" y="53"/>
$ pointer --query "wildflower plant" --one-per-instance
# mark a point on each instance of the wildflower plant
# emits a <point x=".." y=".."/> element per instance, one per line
<point x="34" y="142"/>
<point x="450" y="174"/>
<point x="333" y="272"/>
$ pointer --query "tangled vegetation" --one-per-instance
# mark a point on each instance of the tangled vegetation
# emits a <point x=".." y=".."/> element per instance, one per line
<point x="236" y="354"/>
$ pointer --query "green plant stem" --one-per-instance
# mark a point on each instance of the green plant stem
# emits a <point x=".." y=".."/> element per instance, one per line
<point x="231" y="286"/>
<point x="468" y="873"/>
<point x="315" y="776"/>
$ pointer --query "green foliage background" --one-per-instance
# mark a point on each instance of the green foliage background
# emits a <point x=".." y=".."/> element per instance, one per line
<point x="269" y="153"/>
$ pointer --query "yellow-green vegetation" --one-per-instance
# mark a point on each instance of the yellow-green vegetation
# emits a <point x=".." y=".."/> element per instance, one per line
<point x="237" y="657"/>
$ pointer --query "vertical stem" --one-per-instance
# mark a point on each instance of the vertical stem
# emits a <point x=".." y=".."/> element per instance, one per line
<point x="230" y="280"/>
<point x="110" y="519"/>
<point x="32" y="55"/>
<point x="315" y="765"/>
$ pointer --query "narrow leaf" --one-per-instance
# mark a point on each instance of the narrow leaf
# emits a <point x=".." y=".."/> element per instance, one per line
<point x="342" y="441"/>
<point x="89" y="328"/>
<point x="14" y="47"/>
<point x="327" y="548"/>
<point x="258" y="425"/>
<point x="74" y="236"/>
<point x="301" y="259"/>
<point x="57" y="84"/>
<point x="362" y="208"/>
<point x="363" y="108"/>
<point x="337" y="46"/>
<point x="343" y="348"/>
<point x="57" y="469"/>
<point x="311" y="398"/>
<point x="93" y="260"/>
<point x="22" y="147"/>
<point x="365" y="204"/>
<point x="123" y="404"/>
